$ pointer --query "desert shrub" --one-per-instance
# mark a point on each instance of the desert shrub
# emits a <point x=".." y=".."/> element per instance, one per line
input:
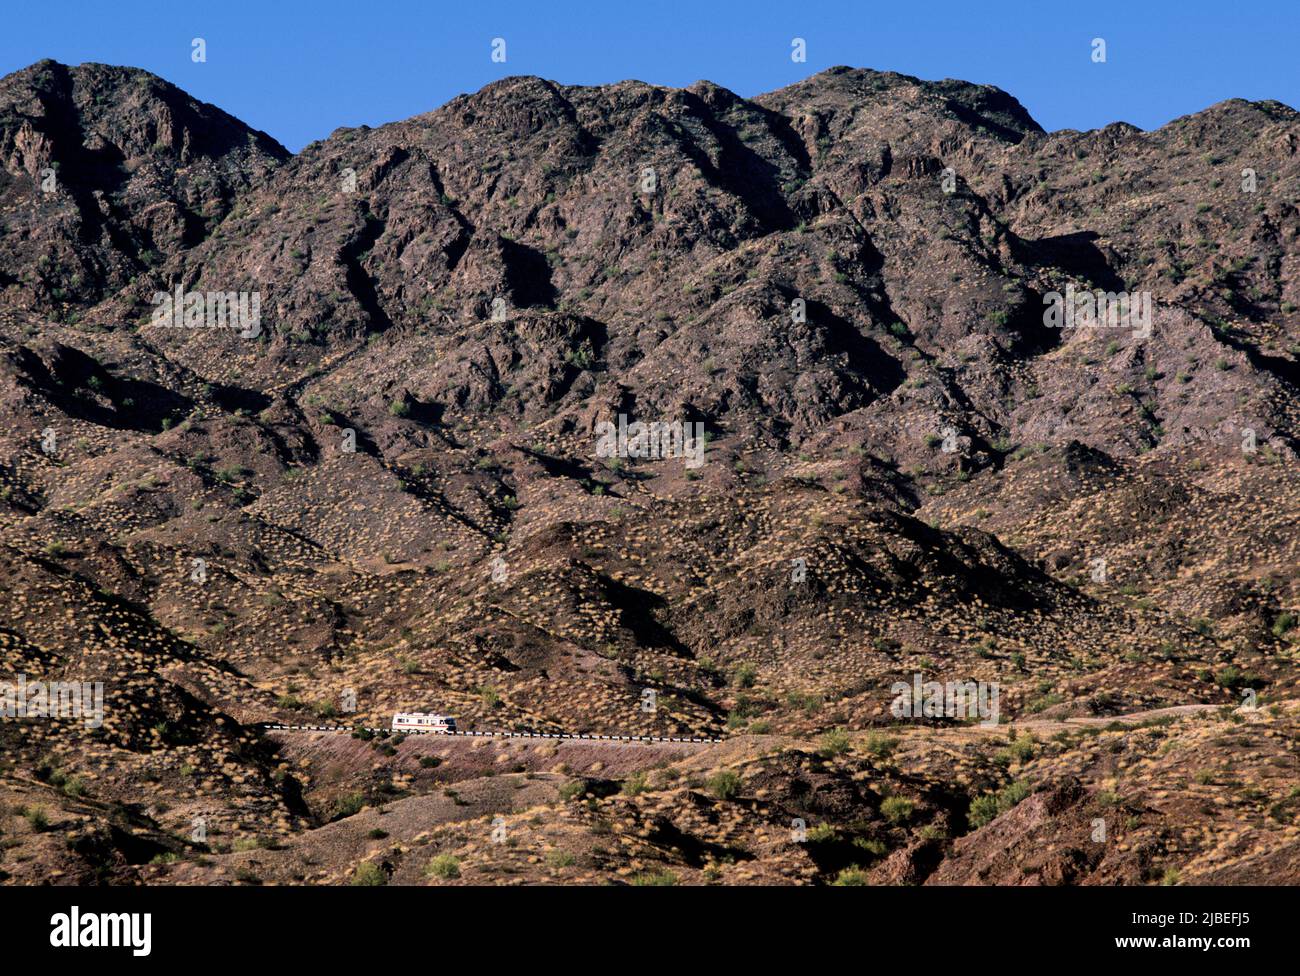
<point x="654" y="879"/>
<point x="1233" y="678"/>
<point x="982" y="810"/>
<point x="1046" y="701"/>
<point x="560" y="859"/>
<point x="1283" y="623"/>
<point x="572" y="789"/>
<point x="444" y="866"/>
<point x="725" y="785"/>
<point x="834" y="743"/>
<point x="744" y="676"/>
<point x="880" y="746"/>
<point x="870" y="845"/>
<point x="1012" y="794"/>
<point x="896" y="809"/>
<point x="985" y="808"/>
<point x="1019" y="749"/>
<point x="346" y="806"/>
<point x="819" y="833"/>
<point x="853" y="877"/>
<point x="368" y="876"/>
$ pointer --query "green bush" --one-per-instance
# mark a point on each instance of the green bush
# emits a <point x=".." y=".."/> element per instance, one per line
<point x="725" y="784"/>
<point x="1020" y="749"/>
<point x="1012" y="794"/>
<point x="346" y="806"/>
<point x="820" y="833"/>
<point x="744" y="675"/>
<point x="834" y="743"/>
<point x="444" y="866"/>
<point x="560" y="859"/>
<point x="982" y="810"/>
<point x="880" y="746"/>
<point x="896" y="809"/>
<point x="1233" y="678"/>
<point x="368" y="876"/>
<point x="1283" y="623"/>
<point x="871" y="846"/>
<point x="985" y="808"/>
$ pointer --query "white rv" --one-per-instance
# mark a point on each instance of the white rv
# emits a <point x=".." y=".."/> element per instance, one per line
<point x="423" y="722"/>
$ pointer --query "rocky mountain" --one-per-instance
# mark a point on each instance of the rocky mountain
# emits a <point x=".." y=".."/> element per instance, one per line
<point x="310" y="439"/>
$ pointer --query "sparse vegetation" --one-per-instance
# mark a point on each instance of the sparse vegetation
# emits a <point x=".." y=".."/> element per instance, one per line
<point x="368" y="875"/>
<point x="445" y="867"/>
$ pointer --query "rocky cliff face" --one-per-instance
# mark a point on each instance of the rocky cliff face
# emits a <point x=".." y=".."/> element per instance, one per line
<point x="106" y="173"/>
<point x="386" y="478"/>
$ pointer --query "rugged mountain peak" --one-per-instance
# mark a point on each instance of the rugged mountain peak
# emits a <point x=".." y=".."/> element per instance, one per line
<point x="889" y="94"/>
<point x="106" y="170"/>
<point x="132" y="110"/>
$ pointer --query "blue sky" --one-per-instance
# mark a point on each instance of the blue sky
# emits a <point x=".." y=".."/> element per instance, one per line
<point x="299" y="70"/>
